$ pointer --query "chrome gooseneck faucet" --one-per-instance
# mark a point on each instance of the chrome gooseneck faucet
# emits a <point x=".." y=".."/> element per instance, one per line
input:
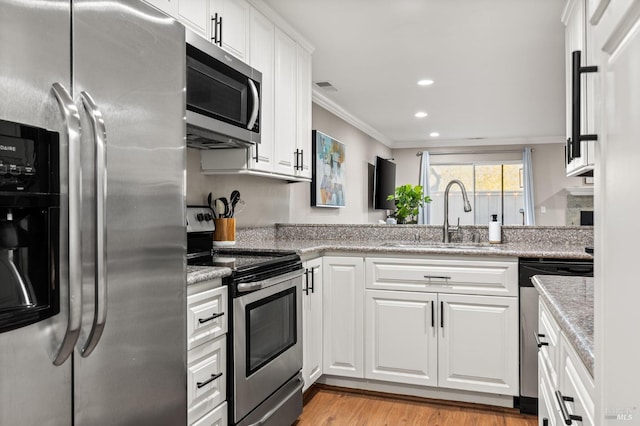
<point x="446" y="229"/>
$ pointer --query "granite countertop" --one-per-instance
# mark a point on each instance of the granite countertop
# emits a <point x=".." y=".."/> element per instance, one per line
<point x="570" y="301"/>
<point x="528" y="249"/>
<point x="312" y="248"/>
<point x="196" y="274"/>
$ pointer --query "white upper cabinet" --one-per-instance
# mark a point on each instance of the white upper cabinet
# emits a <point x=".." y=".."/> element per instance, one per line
<point x="170" y="7"/>
<point x="303" y="89"/>
<point x="578" y="38"/>
<point x="285" y="115"/>
<point x="285" y="103"/>
<point x="261" y="48"/>
<point x="194" y="14"/>
<point x="230" y="20"/>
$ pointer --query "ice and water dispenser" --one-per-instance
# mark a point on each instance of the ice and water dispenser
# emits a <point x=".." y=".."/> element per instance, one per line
<point x="29" y="225"/>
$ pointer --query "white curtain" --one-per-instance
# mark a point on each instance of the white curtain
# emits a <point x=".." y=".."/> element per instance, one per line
<point x="527" y="177"/>
<point x="425" y="212"/>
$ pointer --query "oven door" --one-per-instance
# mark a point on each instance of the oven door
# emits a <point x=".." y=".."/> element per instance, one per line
<point x="267" y="335"/>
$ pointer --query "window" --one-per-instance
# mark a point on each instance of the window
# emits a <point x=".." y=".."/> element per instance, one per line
<point x="492" y="188"/>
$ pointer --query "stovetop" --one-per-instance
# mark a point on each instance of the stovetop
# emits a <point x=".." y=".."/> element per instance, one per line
<point x="246" y="264"/>
<point x="241" y="260"/>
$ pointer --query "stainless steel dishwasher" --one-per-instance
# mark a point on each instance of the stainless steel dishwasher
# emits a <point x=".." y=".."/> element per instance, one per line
<point x="529" y="319"/>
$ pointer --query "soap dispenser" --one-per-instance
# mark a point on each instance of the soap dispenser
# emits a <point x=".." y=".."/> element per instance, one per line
<point x="495" y="230"/>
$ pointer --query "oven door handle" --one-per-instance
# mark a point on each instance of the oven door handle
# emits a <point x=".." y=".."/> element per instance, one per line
<point x="275" y="409"/>
<point x="258" y="285"/>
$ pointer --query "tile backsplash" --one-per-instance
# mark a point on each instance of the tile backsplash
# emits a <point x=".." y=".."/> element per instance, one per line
<point x="576" y="204"/>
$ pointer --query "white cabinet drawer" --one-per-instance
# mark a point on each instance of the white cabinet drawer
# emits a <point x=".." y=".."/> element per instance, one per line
<point x="206" y="377"/>
<point x="217" y="417"/>
<point x="576" y="383"/>
<point x="206" y="316"/>
<point x="548" y="409"/>
<point x="549" y="337"/>
<point x="447" y="275"/>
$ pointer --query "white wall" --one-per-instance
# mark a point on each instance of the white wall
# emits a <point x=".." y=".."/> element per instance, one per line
<point x="270" y="201"/>
<point x="549" y="179"/>
<point x="267" y="200"/>
<point x="360" y="150"/>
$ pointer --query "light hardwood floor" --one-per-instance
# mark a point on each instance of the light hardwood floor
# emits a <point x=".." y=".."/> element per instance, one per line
<point x="330" y="406"/>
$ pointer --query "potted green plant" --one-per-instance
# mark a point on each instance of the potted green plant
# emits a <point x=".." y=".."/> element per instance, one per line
<point x="408" y="199"/>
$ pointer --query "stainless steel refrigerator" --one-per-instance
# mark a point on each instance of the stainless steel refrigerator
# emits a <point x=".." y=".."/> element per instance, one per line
<point x="108" y="78"/>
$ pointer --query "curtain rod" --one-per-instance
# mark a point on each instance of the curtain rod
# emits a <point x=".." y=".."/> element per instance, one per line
<point x="419" y="153"/>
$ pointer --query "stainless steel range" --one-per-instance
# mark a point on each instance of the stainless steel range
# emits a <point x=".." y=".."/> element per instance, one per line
<point x="264" y="379"/>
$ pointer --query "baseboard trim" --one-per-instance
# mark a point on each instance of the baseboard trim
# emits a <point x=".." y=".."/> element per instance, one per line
<point x="501" y="403"/>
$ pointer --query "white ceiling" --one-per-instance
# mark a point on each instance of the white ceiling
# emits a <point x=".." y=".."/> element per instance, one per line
<point x="498" y="66"/>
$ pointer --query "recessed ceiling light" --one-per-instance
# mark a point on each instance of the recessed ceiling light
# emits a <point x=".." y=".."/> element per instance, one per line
<point x="425" y="82"/>
<point x="434" y="134"/>
<point x="421" y="114"/>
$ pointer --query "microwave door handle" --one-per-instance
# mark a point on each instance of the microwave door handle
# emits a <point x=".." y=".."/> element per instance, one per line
<point x="256" y="104"/>
<point x="100" y="305"/>
<point x="74" y="318"/>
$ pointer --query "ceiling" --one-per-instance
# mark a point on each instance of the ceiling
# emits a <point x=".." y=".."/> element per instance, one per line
<point x="498" y="67"/>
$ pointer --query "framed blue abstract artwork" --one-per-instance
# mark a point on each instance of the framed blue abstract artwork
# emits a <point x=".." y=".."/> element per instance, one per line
<point x="328" y="171"/>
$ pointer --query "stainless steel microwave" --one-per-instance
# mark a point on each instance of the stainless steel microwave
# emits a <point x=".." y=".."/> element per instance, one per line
<point x="223" y="97"/>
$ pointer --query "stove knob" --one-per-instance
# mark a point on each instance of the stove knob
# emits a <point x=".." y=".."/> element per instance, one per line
<point x="200" y="217"/>
<point x="207" y="217"/>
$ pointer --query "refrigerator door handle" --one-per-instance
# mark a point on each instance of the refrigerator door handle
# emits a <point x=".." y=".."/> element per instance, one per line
<point x="74" y="319"/>
<point x="100" y="305"/>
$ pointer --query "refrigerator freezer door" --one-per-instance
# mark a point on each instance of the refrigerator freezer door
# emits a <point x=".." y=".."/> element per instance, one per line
<point x="33" y="391"/>
<point x="130" y="59"/>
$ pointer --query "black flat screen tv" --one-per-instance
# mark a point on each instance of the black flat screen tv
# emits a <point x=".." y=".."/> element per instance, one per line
<point x="384" y="184"/>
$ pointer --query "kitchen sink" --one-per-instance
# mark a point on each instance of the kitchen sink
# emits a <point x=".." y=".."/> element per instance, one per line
<point x="445" y="246"/>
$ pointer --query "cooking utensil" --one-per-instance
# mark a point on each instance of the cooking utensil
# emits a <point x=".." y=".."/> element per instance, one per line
<point x="240" y="205"/>
<point x="209" y="202"/>
<point x="233" y="200"/>
<point x="222" y="207"/>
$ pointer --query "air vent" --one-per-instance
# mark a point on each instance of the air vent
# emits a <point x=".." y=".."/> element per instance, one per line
<point x="326" y="85"/>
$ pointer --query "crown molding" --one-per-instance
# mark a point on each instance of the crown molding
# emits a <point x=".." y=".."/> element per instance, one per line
<point x="449" y="143"/>
<point x="326" y="103"/>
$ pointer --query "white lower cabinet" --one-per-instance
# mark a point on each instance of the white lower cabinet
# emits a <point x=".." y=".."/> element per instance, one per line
<point x="576" y="386"/>
<point x="401" y="337"/>
<point x="548" y="409"/>
<point x="206" y="377"/>
<point x="312" y="322"/>
<point x="570" y="400"/>
<point x="446" y="340"/>
<point x="478" y="343"/>
<point x="396" y="323"/>
<point x="217" y="417"/>
<point x="343" y="322"/>
<point x="207" y="353"/>
<point x="429" y="337"/>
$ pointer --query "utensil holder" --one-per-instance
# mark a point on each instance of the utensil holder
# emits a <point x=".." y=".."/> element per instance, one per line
<point x="225" y="232"/>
